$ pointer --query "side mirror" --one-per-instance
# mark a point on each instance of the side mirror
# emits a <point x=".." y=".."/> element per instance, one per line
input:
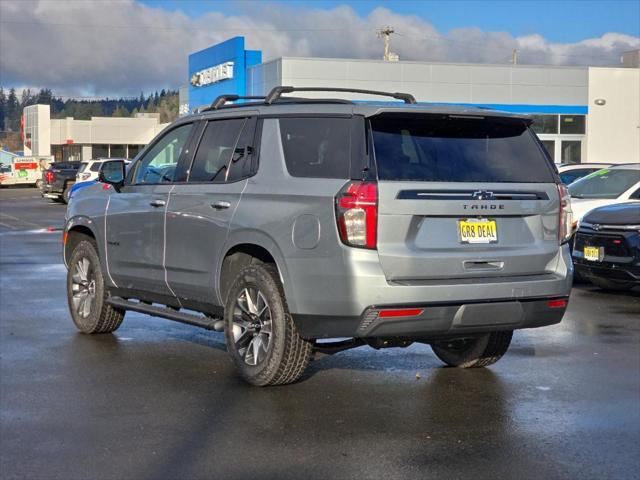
<point x="112" y="173"/>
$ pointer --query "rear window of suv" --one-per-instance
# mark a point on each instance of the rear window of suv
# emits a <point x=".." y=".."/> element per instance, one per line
<point x="449" y="148"/>
<point x="316" y="147"/>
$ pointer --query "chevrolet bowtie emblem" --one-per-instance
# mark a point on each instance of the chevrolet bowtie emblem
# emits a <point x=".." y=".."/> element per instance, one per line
<point x="482" y="195"/>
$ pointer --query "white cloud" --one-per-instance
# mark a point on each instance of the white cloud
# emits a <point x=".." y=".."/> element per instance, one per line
<point x="124" y="47"/>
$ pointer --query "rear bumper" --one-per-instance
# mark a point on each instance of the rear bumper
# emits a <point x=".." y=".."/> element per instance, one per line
<point x="331" y="302"/>
<point x="438" y="320"/>
<point x="49" y="191"/>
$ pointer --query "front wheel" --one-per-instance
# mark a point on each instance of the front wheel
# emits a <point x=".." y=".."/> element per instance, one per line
<point x="473" y="352"/>
<point x="86" y="293"/>
<point x="260" y="334"/>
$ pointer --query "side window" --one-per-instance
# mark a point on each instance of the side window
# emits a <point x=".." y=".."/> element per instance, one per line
<point x="219" y="146"/>
<point x="159" y="164"/>
<point x="635" y="195"/>
<point x="317" y="147"/>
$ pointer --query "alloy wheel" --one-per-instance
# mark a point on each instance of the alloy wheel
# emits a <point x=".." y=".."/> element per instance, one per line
<point x="252" y="326"/>
<point x="83" y="287"/>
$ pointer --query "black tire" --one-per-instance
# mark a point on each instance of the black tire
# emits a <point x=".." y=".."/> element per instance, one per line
<point x="66" y="193"/>
<point x="613" y="285"/>
<point x="286" y="355"/>
<point x="100" y="317"/>
<point x="476" y="352"/>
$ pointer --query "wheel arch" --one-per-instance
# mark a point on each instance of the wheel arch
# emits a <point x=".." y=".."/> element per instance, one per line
<point x="76" y="229"/>
<point x="245" y="249"/>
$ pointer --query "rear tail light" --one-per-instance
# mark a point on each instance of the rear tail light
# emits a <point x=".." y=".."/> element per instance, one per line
<point x="565" y="220"/>
<point x="49" y="176"/>
<point x="357" y="214"/>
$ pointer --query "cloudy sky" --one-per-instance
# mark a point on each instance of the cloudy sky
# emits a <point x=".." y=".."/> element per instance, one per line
<point x="122" y="47"/>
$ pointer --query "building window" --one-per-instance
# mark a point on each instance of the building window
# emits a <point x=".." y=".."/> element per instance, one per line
<point x="572" y="124"/>
<point x="571" y="151"/>
<point x="99" y="151"/>
<point x="545" y="123"/>
<point x="550" y="146"/>
<point x="133" y="151"/>
<point x="118" y="151"/>
<point x="56" y="151"/>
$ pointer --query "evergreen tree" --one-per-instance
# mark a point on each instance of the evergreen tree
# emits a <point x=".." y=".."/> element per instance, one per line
<point x="12" y="112"/>
<point x="121" y="111"/>
<point x="3" y="107"/>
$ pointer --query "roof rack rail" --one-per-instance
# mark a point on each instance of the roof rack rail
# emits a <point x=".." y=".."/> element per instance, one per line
<point x="223" y="99"/>
<point x="276" y="92"/>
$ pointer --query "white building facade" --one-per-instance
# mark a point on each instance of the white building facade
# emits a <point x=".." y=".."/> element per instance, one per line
<point x="71" y="139"/>
<point x="582" y="114"/>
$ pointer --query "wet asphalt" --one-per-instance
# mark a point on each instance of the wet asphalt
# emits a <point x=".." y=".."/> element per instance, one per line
<point x="160" y="400"/>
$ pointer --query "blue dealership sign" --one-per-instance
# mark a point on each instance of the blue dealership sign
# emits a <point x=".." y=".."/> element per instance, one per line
<point x="220" y="69"/>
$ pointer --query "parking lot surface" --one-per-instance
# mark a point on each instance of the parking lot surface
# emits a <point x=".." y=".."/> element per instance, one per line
<point x="161" y="400"/>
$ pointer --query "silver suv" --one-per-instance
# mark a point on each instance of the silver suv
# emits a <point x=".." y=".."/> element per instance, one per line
<point x="299" y="226"/>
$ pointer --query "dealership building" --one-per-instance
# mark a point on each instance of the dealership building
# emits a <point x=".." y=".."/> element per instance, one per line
<point x="582" y="114"/>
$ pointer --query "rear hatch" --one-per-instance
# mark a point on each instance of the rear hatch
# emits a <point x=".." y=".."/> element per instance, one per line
<point x="462" y="197"/>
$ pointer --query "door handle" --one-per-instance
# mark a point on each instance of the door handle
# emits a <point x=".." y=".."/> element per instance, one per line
<point x="220" y="205"/>
<point x="157" y="203"/>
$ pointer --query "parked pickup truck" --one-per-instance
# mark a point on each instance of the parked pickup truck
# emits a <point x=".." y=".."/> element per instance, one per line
<point x="58" y="179"/>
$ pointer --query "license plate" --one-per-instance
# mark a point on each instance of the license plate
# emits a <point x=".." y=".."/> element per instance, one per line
<point x="594" y="254"/>
<point x="477" y="230"/>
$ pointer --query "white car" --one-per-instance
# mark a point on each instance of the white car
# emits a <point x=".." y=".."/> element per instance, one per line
<point x="607" y="186"/>
<point x="570" y="172"/>
<point x="89" y="169"/>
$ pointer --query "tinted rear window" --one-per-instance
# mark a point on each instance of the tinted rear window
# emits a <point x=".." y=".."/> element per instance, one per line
<point x="440" y="148"/>
<point x="83" y="167"/>
<point x="316" y="147"/>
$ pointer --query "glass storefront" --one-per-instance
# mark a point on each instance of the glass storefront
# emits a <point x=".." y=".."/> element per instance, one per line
<point x="562" y="135"/>
<point x="99" y="151"/>
<point x="571" y="151"/>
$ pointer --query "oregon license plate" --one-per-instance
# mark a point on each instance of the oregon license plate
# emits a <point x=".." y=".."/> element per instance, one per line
<point x="594" y="254"/>
<point x="477" y="230"/>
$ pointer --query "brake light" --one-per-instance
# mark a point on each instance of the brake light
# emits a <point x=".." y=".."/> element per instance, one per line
<point x="357" y="214"/>
<point x="49" y="176"/>
<point x="565" y="215"/>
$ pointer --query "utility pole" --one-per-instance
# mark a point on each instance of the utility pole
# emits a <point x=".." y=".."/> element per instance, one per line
<point x="385" y="34"/>
<point x="514" y="57"/>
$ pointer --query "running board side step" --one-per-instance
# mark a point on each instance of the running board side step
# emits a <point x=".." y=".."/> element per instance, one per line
<point x="201" y="321"/>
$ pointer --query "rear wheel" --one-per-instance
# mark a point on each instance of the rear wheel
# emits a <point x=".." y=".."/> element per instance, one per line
<point x="473" y="352"/>
<point x="66" y="193"/>
<point x="614" y="285"/>
<point x="86" y="293"/>
<point x="260" y="334"/>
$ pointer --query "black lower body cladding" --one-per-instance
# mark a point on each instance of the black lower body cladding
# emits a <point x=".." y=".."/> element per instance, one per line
<point x="438" y="320"/>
